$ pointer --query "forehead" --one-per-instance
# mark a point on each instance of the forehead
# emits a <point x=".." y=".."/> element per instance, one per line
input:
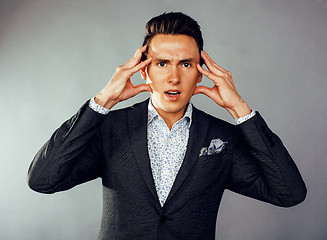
<point x="173" y="46"/>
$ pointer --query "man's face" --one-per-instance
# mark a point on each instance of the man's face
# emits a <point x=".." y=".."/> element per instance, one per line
<point x="172" y="74"/>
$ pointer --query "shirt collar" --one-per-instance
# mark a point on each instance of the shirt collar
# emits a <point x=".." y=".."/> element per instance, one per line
<point x="152" y="113"/>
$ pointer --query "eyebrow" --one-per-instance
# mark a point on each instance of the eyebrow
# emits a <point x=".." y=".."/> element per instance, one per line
<point x="181" y="61"/>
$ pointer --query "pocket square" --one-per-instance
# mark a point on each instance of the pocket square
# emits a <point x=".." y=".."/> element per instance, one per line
<point x="215" y="147"/>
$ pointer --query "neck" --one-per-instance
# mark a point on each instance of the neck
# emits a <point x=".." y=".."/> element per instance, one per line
<point x="171" y="118"/>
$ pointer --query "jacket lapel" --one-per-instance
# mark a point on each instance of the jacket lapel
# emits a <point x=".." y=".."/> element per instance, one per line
<point x="137" y="124"/>
<point x="198" y="132"/>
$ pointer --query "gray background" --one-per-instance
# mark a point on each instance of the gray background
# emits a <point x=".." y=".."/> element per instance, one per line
<point x="54" y="55"/>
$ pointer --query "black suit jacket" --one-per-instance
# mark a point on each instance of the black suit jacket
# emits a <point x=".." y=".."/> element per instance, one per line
<point x="114" y="147"/>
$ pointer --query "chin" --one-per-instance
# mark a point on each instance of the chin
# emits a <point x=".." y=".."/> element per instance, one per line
<point x="173" y="109"/>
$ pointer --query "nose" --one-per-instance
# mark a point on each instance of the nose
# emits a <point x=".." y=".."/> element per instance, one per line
<point x="174" y="77"/>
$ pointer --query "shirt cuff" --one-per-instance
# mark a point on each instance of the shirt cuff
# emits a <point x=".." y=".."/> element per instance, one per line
<point x="97" y="108"/>
<point x="244" y="118"/>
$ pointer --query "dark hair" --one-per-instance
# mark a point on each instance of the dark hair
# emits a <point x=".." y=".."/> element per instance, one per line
<point x="173" y="23"/>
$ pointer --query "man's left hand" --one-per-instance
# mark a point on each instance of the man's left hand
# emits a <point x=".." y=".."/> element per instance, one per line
<point x="224" y="92"/>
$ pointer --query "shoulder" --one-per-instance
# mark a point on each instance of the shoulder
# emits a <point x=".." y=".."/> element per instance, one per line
<point x="122" y="112"/>
<point x="121" y="118"/>
<point x="216" y="128"/>
<point x="213" y="121"/>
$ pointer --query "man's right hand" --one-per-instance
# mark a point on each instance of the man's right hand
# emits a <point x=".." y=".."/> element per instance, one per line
<point x="120" y="86"/>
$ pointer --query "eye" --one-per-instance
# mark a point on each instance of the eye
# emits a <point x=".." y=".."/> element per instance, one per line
<point x="161" y="64"/>
<point x="186" y="64"/>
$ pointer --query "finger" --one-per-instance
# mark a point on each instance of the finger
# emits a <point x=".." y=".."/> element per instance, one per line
<point x="136" y="58"/>
<point x="210" y="75"/>
<point x="213" y="62"/>
<point x="139" y="66"/>
<point x="212" y="66"/>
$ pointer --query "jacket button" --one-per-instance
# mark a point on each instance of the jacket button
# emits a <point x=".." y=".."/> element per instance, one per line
<point x="162" y="219"/>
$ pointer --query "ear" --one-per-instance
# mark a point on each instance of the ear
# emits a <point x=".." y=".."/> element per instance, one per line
<point x="199" y="77"/>
<point x="143" y="73"/>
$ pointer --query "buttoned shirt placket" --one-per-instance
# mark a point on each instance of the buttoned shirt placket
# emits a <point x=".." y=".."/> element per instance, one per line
<point x="166" y="149"/>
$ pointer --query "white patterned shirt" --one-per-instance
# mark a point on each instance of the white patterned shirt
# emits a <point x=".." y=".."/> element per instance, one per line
<point x="166" y="149"/>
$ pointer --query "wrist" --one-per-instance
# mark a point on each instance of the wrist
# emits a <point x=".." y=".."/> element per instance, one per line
<point x="239" y="110"/>
<point x="105" y="101"/>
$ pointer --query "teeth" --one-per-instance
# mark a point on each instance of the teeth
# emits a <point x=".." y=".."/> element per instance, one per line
<point x="172" y="92"/>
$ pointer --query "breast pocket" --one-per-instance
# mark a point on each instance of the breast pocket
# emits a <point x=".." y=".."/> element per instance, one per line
<point x="213" y="163"/>
<point x="215" y="157"/>
<point x="212" y="170"/>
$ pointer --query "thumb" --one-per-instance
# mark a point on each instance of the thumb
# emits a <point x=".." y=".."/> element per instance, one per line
<point x="143" y="88"/>
<point x="202" y="89"/>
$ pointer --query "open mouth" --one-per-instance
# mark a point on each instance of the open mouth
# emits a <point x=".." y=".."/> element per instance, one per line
<point x="173" y="93"/>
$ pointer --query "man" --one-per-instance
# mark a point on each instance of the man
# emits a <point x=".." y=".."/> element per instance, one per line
<point x="165" y="164"/>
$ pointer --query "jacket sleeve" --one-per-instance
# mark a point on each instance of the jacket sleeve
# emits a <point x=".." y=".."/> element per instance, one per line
<point x="71" y="156"/>
<point x="262" y="167"/>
